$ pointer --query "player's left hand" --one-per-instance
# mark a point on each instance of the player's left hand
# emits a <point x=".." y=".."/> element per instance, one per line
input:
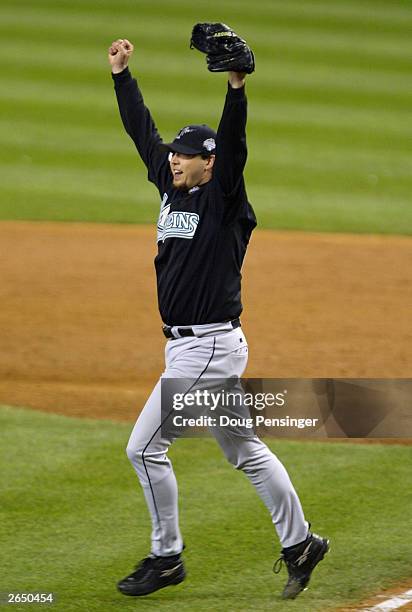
<point x="237" y="79"/>
<point x="225" y="50"/>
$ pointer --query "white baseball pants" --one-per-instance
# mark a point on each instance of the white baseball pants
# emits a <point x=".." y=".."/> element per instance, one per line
<point x="214" y="353"/>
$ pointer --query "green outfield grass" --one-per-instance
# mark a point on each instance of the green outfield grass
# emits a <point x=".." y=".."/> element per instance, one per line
<point x="330" y="137"/>
<point x="73" y="519"/>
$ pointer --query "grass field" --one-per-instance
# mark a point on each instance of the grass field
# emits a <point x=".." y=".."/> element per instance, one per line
<point x="330" y="108"/>
<point x="73" y="519"/>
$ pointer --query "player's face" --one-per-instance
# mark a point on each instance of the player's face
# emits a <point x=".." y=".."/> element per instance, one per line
<point x="190" y="170"/>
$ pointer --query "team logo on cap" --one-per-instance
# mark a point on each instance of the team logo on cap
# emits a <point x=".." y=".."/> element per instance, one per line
<point x="185" y="130"/>
<point x="209" y="144"/>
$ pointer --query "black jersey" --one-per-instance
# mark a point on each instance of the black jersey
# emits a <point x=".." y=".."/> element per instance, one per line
<point x="203" y="233"/>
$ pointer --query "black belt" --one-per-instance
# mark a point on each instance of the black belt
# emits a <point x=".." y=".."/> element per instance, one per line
<point x="188" y="331"/>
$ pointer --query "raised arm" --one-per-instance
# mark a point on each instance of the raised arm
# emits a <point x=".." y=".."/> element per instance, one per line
<point x="231" y="150"/>
<point x="237" y="79"/>
<point x="136" y="117"/>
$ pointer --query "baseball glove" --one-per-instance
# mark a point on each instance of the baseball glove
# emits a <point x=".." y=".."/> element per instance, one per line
<point x="224" y="49"/>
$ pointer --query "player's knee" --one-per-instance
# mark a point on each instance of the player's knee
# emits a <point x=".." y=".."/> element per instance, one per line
<point x="134" y="453"/>
<point x="139" y="454"/>
<point x="249" y="455"/>
<point x="232" y="456"/>
<point x="136" y="458"/>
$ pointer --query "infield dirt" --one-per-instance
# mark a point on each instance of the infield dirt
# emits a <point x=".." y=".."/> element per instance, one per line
<point x="81" y="334"/>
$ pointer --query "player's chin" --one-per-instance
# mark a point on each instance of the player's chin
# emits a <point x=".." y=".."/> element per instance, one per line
<point x="179" y="184"/>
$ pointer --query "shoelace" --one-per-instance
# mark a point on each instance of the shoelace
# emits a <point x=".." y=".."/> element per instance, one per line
<point x="142" y="563"/>
<point x="278" y="564"/>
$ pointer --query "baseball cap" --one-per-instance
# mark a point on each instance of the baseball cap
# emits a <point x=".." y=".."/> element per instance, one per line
<point x="193" y="140"/>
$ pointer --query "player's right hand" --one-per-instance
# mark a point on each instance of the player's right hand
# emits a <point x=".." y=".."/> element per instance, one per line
<point x="119" y="53"/>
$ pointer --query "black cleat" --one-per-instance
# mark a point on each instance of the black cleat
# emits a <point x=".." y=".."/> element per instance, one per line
<point x="300" y="561"/>
<point x="153" y="573"/>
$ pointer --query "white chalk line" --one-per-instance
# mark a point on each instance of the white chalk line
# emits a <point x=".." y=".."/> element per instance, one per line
<point x="391" y="604"/>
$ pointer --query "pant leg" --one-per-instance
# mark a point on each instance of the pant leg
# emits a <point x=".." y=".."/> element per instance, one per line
<point x="147" y="451"/>
<point x="271" y="481"/>
<point x="147" y="447"/>
<point x="248" y="453"/>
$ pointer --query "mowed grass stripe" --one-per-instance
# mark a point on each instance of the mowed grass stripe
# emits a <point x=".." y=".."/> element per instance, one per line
<point x="70" y="62"/>
<point x="320" y="113"/>
<point x="375" y="11"/>
<point x="365" y="20"/>
<point x="273" y="148"/>
<point x="352" y="90"/>
<point x="330" y="105"/>
<point x="67" y="179"/>
<point x="307" y="208"/>
<point x="38" y="25"/>
<point x="366" y="14"/>
<point x="45" y="202"/>
<point x="56" y="173"/>
<point x="60" y="177"/>
<point x="384" y="35"/>
<point x="76" y="520"/>
<point x="379" y="193"/>
<point x="30" y="138"/>
<point x="60" y="195"/>
<point x="274" y="135"/>
<point x="305" y="171"/>
<point x="82" y="182"/>
<point x="312" y="165"/>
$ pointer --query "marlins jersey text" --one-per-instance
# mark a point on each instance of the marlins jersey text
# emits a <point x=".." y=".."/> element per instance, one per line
<point x="175" y="224"/>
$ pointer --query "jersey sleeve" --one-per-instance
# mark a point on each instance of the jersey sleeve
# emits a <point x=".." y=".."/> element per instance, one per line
<point x="231" y="149"/>
<point x="141" y="128"/>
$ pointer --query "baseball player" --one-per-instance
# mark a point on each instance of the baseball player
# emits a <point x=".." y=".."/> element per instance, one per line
<point x="204" y="226"/>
